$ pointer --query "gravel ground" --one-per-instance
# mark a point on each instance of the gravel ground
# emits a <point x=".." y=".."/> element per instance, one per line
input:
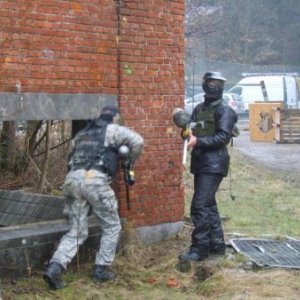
<point x="281" y="157"/>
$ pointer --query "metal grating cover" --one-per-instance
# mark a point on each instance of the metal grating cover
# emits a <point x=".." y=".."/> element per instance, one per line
<point x="270" y="253"/>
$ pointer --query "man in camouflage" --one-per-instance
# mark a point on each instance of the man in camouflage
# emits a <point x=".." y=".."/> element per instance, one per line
<point x="93" y="162"/>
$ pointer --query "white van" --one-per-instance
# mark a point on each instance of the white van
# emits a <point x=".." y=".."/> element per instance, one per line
<point x="278" y="88"/>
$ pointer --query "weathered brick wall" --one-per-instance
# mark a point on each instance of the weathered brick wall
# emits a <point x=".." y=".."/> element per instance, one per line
<point x="58" y="46"/>
<point x="152" y="49"/>
<point x="130" y="48"/>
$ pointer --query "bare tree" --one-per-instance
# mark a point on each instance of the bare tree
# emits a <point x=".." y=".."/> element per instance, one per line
<point x="8" y="145"/>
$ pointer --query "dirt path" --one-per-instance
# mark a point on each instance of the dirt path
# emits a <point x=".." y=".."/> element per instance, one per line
<point x="281" y="157"/>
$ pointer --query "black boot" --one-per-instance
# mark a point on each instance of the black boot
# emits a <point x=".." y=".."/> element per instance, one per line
<point x="193" y="256"/>
<point x="102" y="273"/>
<point x="53" y="276"/>
<point x="217" y="249"/>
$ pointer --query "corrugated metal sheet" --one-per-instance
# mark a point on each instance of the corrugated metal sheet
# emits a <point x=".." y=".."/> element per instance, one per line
<point x="17" y="207"/>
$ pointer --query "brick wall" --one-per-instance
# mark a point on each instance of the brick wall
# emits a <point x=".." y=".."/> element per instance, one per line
<point x="129" y="48"/>
<point x="58" y="46"/>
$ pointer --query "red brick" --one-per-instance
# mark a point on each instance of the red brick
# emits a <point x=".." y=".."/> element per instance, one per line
<point x="61" y="46"/>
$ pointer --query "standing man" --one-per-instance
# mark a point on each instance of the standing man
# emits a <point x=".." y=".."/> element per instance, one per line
<point x="93" y="162"/>
<point x="209" y="163"/>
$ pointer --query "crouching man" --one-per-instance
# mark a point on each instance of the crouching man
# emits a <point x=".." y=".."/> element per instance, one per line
<point x="93" y="162"/>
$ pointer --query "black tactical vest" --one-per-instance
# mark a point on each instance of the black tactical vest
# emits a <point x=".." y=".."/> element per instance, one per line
<point x="90" y="152"/>
<point x="205" y="119"/>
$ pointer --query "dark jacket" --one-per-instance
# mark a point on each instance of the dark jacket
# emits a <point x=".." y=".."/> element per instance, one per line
<point x="210" y="154"/>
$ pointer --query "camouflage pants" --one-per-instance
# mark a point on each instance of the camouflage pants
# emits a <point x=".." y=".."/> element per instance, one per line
<point x="83" y="189"/>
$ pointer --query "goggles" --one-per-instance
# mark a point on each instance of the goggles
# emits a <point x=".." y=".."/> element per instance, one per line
<point x="215" y="83"/>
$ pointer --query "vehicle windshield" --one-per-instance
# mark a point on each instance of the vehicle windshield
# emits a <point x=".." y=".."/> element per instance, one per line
<point x="236" y="90"/>
<point x="226" y="98"/>
<point x="196" y="99"/>
<point x="236" y="97"/>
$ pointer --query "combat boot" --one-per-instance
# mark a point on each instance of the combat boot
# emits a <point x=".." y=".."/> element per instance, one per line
<point x="217" y="249"/>
<point x="193" y="256"/>
<point x="53" y="276"/>
<point x="102" y="273"/>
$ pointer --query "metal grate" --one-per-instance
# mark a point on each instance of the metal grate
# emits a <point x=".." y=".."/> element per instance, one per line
<point x="269" y="253"/>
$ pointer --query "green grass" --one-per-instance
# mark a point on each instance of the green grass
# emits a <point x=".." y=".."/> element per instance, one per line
<point x="266" y="202"/>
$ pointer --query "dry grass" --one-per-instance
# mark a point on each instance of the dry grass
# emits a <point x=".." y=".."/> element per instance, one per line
<point x="265" y="204"/>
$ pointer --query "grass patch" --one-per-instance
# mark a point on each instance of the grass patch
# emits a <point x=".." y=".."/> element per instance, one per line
<point x="266" y="202"/>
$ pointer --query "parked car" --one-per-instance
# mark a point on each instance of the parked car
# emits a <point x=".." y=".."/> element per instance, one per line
<point x="191" y="102"/>
<point x="191" y="90"/>
<point x="235" y="102"/>
<point x="278" y="87"/>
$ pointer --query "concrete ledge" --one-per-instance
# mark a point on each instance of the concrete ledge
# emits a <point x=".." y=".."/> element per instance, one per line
<point x="53" y="106"/>
<point x="35" y="224"/>
<point x="29" y="247"/>
<point x="152" y="234"/>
